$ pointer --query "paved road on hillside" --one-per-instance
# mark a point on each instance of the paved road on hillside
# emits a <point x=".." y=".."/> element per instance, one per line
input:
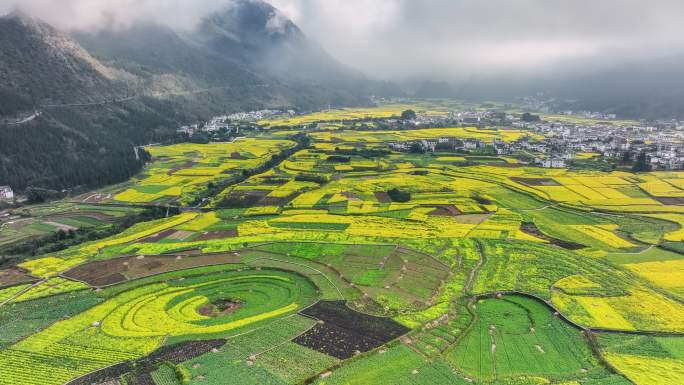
<point x="25" y="120"/>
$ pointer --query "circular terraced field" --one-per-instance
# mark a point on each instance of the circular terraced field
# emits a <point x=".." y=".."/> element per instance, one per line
<point x="179" y="307"/>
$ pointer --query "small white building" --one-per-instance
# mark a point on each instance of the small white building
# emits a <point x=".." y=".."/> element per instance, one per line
<point x="6" y="193"/>
<point x="553" y="163"/>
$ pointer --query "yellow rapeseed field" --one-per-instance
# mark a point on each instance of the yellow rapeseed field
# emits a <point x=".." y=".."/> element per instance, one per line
<point x="648" y="370"/>
<point x="605" y="235"/>
<point x="667" y="274"/>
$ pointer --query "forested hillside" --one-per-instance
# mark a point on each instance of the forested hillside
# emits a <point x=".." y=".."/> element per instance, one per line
<point x="101" y="93"/>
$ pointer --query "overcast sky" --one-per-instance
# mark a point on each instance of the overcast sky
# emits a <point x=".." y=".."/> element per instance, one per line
<point x="460" y="38"/>
<point x="431" y="38"/>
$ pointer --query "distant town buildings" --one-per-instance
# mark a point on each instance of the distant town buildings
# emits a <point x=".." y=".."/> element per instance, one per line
<point x="230" y="123"/>
<point x="6" y="193"/>
<point x="661" y="141"/>
<point x="565" y="134"/>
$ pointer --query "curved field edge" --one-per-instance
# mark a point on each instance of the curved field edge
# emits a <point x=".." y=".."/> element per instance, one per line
<point x="115" y="331"/>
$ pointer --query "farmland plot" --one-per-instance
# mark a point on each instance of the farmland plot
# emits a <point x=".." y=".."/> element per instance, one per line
<point x="349" y="263"/>
<point x="135" y="322"/>
<point x="516" y="337"/>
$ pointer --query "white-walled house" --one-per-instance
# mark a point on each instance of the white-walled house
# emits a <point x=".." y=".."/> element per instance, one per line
<point x="6" y="193"/>
<point x="553" y="163"/>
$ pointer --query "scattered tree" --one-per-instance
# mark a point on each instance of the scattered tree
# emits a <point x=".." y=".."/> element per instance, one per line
<point x="397" y="195"/>
<point x="408" y="115"/>
<point x="641" y="164"/>
<point x="527" y="117"/>
<point x="417" y="148"/>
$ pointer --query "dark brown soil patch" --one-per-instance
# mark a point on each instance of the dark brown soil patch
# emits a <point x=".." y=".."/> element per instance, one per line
<point x="445" y="211"/>
<point x="243" y="198"/>
<point x="141" y="368"/>
<point x="185" y="165"/>
<point x="217" y="235"/>
<point x="107" y="280"/>
<point x="344" y="332"/>
<point x="532" y="229"/>
<point x="382" y="197"/>
<point x="670" y="201"/>
<point x="190" y="252"/>
<point x="109" y="272"/>
<point x="103" y="375"/>
<point x="351" y="196"/>
<point x="277" y="201"/>
<point x="152" y="265"/>
<point x="140" y="379"/>
<point x="15" y="276"/>
<point x="100" y="273"/>
<point x="184" y="351"/>
<point x="536" y="181"/>
<point x="157" y="237"/>
<point x="237" y="155"/>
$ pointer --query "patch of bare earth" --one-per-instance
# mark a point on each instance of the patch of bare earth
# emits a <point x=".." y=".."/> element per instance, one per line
<point x="351" y="196"/>
<point x="382" y="197"/>
<point x="218" y="235"/>
<point x="14" y="276"/>
<point x="277" y="201"/>
<point x="105" y="273"/>
<point x="670" y="201"/>
<point x="445" y="211"/>
<point x="158" y="236"/>
<point x="471" y="219"/>
<point x="180" y="235"/>
<point x="219" y="308"/>
<point x="183" y="166"/>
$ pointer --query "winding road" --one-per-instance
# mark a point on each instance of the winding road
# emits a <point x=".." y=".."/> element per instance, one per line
<point x="25" y="120"/>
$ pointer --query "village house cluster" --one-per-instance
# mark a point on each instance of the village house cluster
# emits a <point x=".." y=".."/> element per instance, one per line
<point x="662" y="142"/>
<point x="230" y="123"/>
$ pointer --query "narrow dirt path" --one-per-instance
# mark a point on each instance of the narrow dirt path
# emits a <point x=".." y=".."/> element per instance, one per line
<point x="473" y="272"/>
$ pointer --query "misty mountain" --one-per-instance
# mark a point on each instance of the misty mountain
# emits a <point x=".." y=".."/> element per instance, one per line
<point x="640" y="88"/>
<point x="248" y="45"/>
<point x="41" y="65"/>
<point x="273" y="44"/>
<point x="135" y="86"/>
<point x="646" y="87"/>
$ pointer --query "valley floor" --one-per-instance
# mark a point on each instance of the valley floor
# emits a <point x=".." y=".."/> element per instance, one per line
<point x="332" y="260"/>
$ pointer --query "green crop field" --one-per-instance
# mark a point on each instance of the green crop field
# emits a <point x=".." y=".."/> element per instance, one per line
<point x="339" y="260"/>
<point x="517" y="337"/>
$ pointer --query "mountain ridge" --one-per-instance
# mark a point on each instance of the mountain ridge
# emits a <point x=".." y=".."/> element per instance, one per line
<point x="137" y="85"/>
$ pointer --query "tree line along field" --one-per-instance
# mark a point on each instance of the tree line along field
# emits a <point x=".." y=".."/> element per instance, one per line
<point x="348" y="263"/>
